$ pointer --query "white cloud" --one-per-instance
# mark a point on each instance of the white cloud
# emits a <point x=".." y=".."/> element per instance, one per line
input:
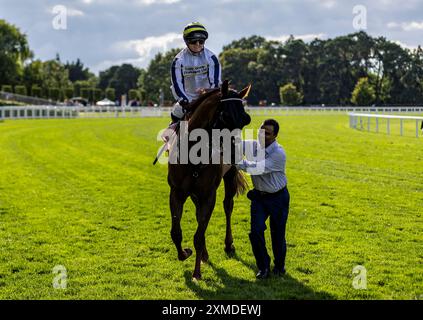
<point x="74" y="12"/>
<point x="413" y="25"/>
<point x="406" y="26"/>
<point x="405" y="45"/>
<point x="144" y="47"/>
<point x="136" y="2"/>
<point x="149" y="2"/>
<point x="143" y="50"/>
<point x="304" y="37"/>
<point x="329" y="4"/>
<point x="70" y="12"/>
<point x="393" y="25"/>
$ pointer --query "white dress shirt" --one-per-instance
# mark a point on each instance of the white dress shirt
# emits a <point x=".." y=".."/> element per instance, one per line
<point x="267" y="174"/>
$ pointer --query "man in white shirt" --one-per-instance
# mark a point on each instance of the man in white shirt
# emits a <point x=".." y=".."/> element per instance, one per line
<point x="270" y="197"/>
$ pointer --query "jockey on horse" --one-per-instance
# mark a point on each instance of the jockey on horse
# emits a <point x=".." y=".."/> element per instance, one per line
<point x="194" y="70"/>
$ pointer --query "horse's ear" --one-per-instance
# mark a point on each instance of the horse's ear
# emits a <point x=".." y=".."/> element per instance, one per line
<point x="245" y="92"/>
<point x="225" y="88"/>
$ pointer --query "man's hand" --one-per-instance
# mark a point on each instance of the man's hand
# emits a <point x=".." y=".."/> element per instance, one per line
<point x="201" y="90"/>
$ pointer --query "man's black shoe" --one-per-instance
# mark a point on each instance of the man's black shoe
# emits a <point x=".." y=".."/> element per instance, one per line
<point x="263" y="274"/>
<point x="278" y="272"/>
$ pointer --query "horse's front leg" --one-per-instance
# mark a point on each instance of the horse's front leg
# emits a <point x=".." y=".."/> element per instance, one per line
<point x="205" y="254"/>
<point x="204" y="211"/>
<point x="177" y="200"/>
<point x="228" y="204"/>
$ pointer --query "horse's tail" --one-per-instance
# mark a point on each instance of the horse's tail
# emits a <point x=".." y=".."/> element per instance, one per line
<point x="241" y="182"/>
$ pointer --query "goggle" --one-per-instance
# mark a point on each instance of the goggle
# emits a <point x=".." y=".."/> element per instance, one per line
<point x="194" y="41"/>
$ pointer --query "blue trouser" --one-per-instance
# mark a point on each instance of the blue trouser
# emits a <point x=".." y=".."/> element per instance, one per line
<point x="262" y="206"/>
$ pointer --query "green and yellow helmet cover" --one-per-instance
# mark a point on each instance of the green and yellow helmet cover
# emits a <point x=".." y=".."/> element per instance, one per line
<point x="195" y="30"/>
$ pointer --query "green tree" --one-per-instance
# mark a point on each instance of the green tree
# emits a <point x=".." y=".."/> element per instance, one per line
<point x="54" y="94"/>
<point x="240" y="67"/>
<point x="393" y="62"/>
<point x="253" y="42"/>
<point x="157" y="76"/>
<point x="33" y="74"/>
<point x="363" y="94"/>
<point x="68" y="92"/>
<point x="121" y="78"/>
<point x="7" y="88"/>
<point x="14" y="51"/>
<point x="79" y="84"/>
<point x="290" y="95"/>
<point x="21" y="90"/>
<point x="106" y="76"/>
<point x="86" y="93"/>
<point x="77" y="71"/>
<point x="97" y="94"/>
<point x="384" y="85"/>
<point x="110" y="94"/>
<point x="55" y="75"/>
<point x="294" y="53"/>
<point x="36" y="91"/>
<point x="133" y="94"/>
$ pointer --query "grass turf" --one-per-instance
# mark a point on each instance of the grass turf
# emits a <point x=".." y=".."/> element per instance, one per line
<point x="83" y="194"/>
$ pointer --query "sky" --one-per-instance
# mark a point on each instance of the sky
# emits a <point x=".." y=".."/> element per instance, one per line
<point x="102" y="33"/>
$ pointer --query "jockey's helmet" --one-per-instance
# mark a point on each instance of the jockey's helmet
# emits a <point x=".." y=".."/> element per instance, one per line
<point x="195" y="30"/>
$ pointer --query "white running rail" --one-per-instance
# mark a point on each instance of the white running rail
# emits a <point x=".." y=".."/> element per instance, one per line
<point x="54" y="112"/>
<point x="360" y="120"/>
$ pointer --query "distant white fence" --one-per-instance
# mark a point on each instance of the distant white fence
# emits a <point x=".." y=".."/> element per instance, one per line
<point x="281" y="110"/>
<point x="55" y="112"/>
<point x="361" y="121"/>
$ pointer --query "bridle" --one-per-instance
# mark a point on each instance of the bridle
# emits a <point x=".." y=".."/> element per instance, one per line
<point x="219" y="117"/>
<point x="220" y="111"/>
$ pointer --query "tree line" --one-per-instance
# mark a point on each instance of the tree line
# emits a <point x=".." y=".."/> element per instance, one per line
<point x="351" y="69"/>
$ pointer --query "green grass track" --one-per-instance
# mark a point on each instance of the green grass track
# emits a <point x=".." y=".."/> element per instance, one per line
<point x="83" y="194"/>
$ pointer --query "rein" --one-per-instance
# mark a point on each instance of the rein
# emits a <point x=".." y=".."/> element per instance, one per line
<point x="232" y="99"/>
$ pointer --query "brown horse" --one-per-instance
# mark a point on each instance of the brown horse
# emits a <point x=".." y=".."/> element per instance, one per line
<point x="218" y="109"/>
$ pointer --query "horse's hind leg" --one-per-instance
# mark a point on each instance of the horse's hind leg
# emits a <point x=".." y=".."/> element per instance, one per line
<point x="177" y="200"/>
<point x="228" y="204"/>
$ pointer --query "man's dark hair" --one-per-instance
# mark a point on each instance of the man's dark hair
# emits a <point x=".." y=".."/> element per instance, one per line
<point x="274" y="123"/>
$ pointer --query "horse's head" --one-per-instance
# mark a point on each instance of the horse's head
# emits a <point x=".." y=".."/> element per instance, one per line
<point x="231" y="113"/>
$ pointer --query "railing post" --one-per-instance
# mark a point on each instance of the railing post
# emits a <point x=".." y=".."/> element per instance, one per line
<point x="401" y="126"/>
<point x="388" y="130"/>
<point x="377" y="124"/>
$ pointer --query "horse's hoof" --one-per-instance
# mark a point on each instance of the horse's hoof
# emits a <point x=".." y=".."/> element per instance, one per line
<point x="196" y="277"/>
<point x="230" y="251"/>
<point x="185" y="254"/>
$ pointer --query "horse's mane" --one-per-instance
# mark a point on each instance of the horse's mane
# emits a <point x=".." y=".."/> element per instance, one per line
<point x="193" y="106"/>
<point x="200" y="110"/>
